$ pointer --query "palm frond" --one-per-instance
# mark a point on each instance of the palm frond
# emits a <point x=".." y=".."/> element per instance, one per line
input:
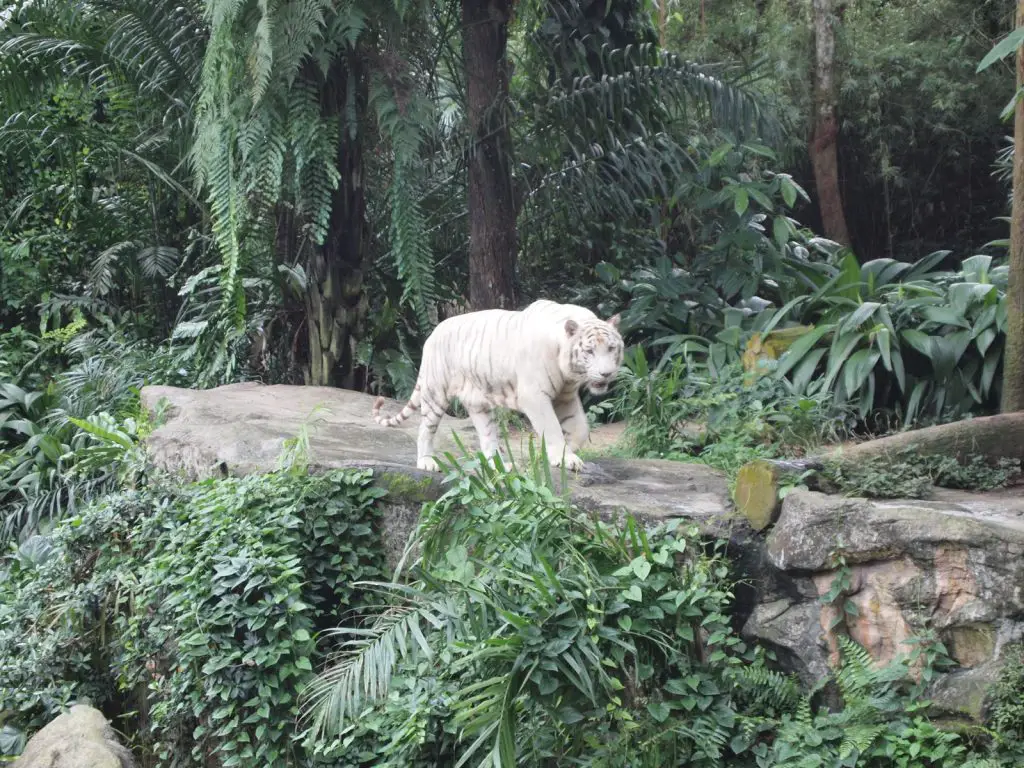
<point x="367" y="663"/>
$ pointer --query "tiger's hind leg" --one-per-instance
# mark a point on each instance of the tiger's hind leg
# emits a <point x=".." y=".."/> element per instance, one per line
<point x="432" y="413"/>
<point x="573" y="420"/>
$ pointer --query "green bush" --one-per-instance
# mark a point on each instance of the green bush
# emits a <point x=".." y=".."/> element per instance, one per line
<point x="75" y="437"/>
<point x="200" y="606"/>
<point x="530" y="634"/>
<point x="680" y="409"/>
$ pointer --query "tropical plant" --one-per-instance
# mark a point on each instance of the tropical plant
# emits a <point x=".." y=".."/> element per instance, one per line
<point x="927" y="342"/>
<point x="687" y="409"/>
<point x="76" y="437"/>
<point x="877" y="725"/>
<point x="550" y="638"/>
<point x="287" y="147"/>
<point x="96" y="108"/>
<point x="206" y="598"/>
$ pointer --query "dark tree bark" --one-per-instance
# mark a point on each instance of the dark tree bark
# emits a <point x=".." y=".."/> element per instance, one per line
<point x="823" y="149"/>
<point x="335" y="303"/>
<point x="492" y="210"/>
<point x="1013" y="356"/>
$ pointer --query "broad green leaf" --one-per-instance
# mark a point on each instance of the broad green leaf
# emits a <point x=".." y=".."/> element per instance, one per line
<point x="659" y="710"/>
<point x="780" y="315"/>
<point x="859" y="316"/>
<point x="925" y="265"/>
<point x="788" y="189"/>
<point x="898" y="369"/>
<point x="975" y="269"/>
<point x="792" y="356"/>
<point x="857" y="368"/>
<point x="780" y="231"/>
<point x="883" y="340"/>
<point x="985" y="339"/>
<point x="945" y="316"/>
<point x="988" y="371"/>
<point x="842" y="348"/>
<point x="922" y="342"/>
<point x="849" y="281"/>
<point x="641" y="567"/>
<point x="914" y="401"/>
<point x="803" y="373"/>
<point x="741" y="202"/>
<point x="761" y="198"/>
<point x="1002" y="49"/>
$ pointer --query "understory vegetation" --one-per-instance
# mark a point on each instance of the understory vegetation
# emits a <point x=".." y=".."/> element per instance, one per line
<point x="252" y="619"/>
<point x="804" y="251"/>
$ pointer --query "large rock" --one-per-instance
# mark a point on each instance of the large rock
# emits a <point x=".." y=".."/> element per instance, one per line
<point x="953" y="564"/>
<point x="79" y="738"/>
<point x="242" y="428"/>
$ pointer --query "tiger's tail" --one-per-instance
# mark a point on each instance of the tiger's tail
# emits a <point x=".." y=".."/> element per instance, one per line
<point x="393" y="421"/>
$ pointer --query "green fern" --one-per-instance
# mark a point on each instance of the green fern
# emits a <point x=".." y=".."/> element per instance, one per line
<point x="275" y="142"/>
<point x="363" y="673"/>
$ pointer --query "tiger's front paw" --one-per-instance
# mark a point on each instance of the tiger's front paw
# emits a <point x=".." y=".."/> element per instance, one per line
<point x="570" y="461"/>
<point x="427" y="464"/>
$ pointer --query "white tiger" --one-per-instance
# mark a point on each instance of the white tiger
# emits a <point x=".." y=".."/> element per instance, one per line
<point x="533" y="361"/>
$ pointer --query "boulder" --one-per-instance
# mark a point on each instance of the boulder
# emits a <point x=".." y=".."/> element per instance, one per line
<point x="951" y="565"/>
<point x="78" y="738"/>
<point x="238" y="429"/>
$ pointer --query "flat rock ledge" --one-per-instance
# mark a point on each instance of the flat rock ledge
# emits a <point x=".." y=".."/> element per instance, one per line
<point x="952" y="564"/>
<point x="239" y="429"/>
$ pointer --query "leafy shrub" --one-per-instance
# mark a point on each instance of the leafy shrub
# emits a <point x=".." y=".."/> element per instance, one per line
<point x="1007" y="710"/>
<point x="76" y="437"/>
<point x="880" y="724"/>
<point x="530" y="634"/>
<point x="882" y="337"/>
<point x="924" y="342"/>
<point x="203" y="601"/>
<point x="723" y="417"/>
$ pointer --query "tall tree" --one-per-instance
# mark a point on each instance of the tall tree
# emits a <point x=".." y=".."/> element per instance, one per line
<point x="493" y="241"/>
<point x="1013" y="359"/>
<point x="287" y="148"/>
<point x="823" y="148"/>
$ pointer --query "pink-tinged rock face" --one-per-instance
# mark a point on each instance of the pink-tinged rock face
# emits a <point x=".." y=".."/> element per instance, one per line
<point x="953" y="565"/>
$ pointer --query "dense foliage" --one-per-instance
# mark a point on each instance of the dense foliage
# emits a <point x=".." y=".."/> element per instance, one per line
<point x="205" y="191"/>
<point x="189" y="614"/>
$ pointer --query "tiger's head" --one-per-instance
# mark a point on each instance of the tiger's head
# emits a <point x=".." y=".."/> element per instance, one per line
<point x="595" y="352"/>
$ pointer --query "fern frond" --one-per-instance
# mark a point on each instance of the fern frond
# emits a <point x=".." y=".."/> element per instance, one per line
<point x="858" y="674"/>
<point x="403" y="113"/>
<point x="857" y="739"/>
<point x="363" y="673"/>
<point x="769" y="687"/>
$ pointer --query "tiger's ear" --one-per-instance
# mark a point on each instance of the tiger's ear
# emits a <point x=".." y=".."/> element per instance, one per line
<point x="613" y="321"/>
<point x="571" y="326"/>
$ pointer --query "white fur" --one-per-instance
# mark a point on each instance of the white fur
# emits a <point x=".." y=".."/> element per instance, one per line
<point x="533" y="361"/>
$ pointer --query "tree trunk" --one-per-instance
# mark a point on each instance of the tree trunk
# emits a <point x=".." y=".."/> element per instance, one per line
<point x="823" y="149"/>
<point x="1013" y="356"/>
<point x="335" y="303"/>
<point x="992" y="437"/>
<point x="492" y="210"/>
